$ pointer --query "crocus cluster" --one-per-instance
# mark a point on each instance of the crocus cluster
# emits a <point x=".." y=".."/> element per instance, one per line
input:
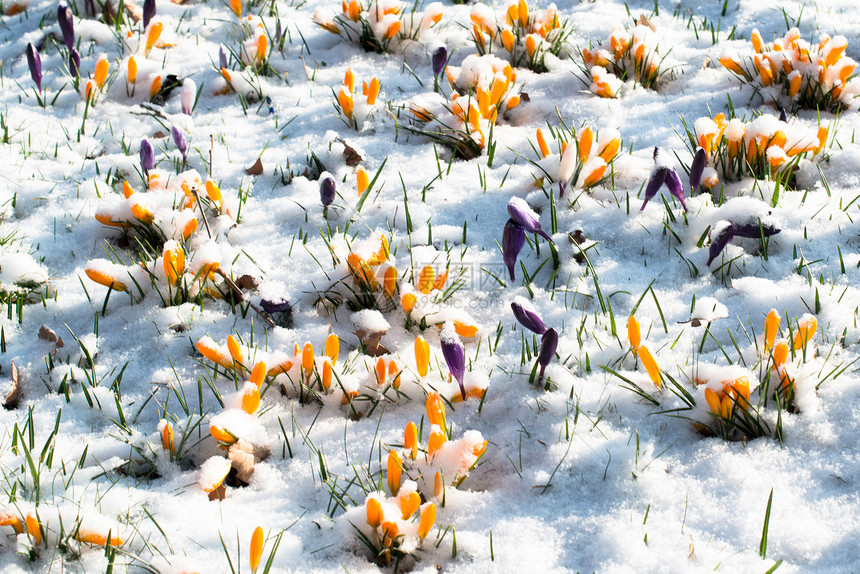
<point x="798" y="73"/>
<point x="786" y="355"/>
<point x="303" y="372"/>
<point x="528" y="317"/>
<point x="355" y="107"/>
<point x="763" y="147"/>
<point x="378" y="25"/>
<point x="582" y="158"/>
<point x="627" y="55"/>
<point x="483" y="89"/>
<point x="165" y="219"/>
<point x="522" y="35"/>
<point x="49" y="525"/>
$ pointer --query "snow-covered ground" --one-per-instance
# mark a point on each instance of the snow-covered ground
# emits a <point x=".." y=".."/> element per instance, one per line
<point x="599" y="471"/>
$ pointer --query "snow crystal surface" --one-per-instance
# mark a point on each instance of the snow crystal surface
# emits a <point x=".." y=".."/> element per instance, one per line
<point x="597" y="470"/>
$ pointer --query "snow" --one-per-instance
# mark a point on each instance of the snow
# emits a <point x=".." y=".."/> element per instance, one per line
<point x="585" y="475"/>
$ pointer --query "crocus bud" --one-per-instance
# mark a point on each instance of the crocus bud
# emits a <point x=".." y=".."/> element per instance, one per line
<point x="548" y="345"/>
<point x="74" y="63"/>
<point x="527" y="316"/>
<point x="187" y="95"/>
<point x="280" y="306"/>
<point x="67" y="25"/>
<point x="222" y="58"/>
<point x="696" y="169"/>
<point x="257" y="540"/>
<point x="147" y="156"/>
<point x="655" y="182"/>
<point x="327" y="191"/>
<point x="676" y="188"/>
<point x="721" y="234"/>
<point x="523" y="215"/>
<point x="179" y="140"/>
<point x="35" y="63"/>
<point x="148" y="12"/>
<point x="755" y="228"/>
<point x="455" y="354"/>
<point x="513" y="239"/>
<point x="440" y="58"/>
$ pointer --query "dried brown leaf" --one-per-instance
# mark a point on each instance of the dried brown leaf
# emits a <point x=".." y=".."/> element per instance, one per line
<point x="644" y="21"/>
<point x="256" y="169"/>
<point x="247" y="282"/>
<point x="244" y="456"/>
<point x="11" y="400"/>
<point x="371" y="342"/>
<point x="353" y="158"/>
<point x="219" y="493"/>
<point x="47" y="335"/>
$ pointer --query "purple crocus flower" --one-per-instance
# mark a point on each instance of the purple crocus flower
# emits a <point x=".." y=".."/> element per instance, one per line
<point x="180" y="141"/>
<point x="513" y="239"/>
<point x="222" y="57"/>
<point x="327" y="192"/>
<point x="35" y="63"/>
<point x="440" y="58"/>
<point x="755" y="228"/>
<point x="186" y="95"/>
<point x="676" y="188"/>
<point x="655" y="182"/>
<point x="525" y="217"/>
<point x="528" y="317"/>
<point x="74" y="63"/>
<point x="148" y="12"/>
<point x="280" y="306"/>
<point x="548" y="345"/>
<point x="455" y="354"/>
<point x="67" y="25"/>
<point x="147" y="156"/>
<point x="721" y="234"/>
<point x="696" y="169"/>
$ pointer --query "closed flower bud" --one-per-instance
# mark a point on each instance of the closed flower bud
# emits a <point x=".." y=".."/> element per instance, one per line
<point x="721" y="234"/>
<point x="327" y="193"/>
<point x="67" y="25"/>
<point x="256" y="550"/>
<point x="528" y="317"/>
<point x="422" y="355"/>
<point x="440" y="58"/>
<point x="179" y="140"/>
<point x="655" y="182"/>
<point x="34" y="61"/>
<point x="74" y="63"/>
<point x="455" y="355"/>
<point x="696" y="169"/>
<point x="148" y="12"/>
<point x="147" y="156"/>
<point x="187" y="94"/>
<point x="676" y="188"/>
<point x="549" y="343"/>
<point x="513" y="239"/>
<point x="525" y="217"/>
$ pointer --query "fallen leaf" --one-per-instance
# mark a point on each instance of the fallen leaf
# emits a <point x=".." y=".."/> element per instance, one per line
<point x="524" y="97"/>
<point x="256" y="169"/>
<point x="353" y="158"/>
<point x="579" y="238"/>
<point x="11" y="400"/>
<point x="244" y="456"/>
<point x="219" y="493"/>
<point x="247" y="282"/>
<point x="48" y="335"/>
<point x="372" y="346"/>
<point x="644" y="21"/>
<point x="159" y="135"/>
<point x="133" y="10"/>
